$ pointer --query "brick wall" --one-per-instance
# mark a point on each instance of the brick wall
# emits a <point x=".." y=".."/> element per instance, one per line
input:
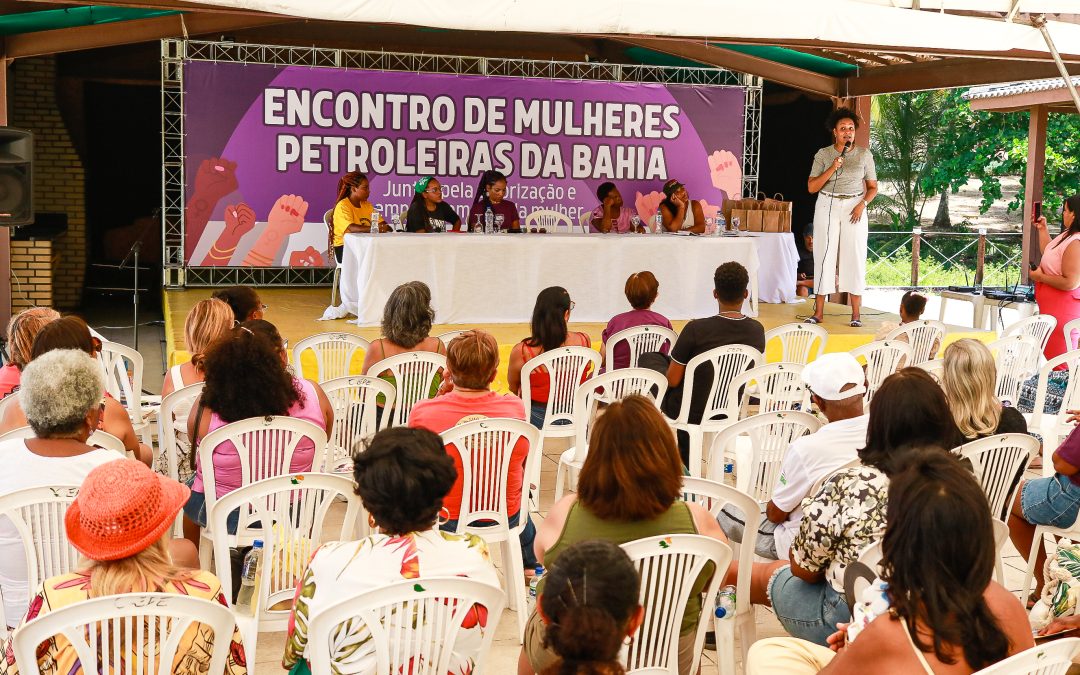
<point x="32" y="264"/>
<point x="58" y="174"/>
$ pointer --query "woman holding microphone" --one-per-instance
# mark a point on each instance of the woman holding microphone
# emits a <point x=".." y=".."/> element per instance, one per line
<point x="845" y="179"/>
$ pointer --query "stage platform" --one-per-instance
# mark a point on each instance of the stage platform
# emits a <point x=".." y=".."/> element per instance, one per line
<point x="295" y="312"/>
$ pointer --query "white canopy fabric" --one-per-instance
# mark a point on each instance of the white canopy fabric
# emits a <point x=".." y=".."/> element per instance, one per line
<point x="852" y="23"/>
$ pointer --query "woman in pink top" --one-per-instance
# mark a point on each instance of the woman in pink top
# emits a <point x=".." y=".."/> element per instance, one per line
<point x="1057" y="278"/>
<point x="246" y="377"/>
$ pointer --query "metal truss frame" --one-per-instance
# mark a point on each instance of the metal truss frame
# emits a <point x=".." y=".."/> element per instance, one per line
<point x="175" y="52"/>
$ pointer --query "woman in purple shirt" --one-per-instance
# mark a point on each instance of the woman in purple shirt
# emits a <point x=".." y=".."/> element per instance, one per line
<point x="641" y="290"/>
<point x="490" y="195"/>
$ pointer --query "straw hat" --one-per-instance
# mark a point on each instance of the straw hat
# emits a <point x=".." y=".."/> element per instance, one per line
<point x="122" y="508"/>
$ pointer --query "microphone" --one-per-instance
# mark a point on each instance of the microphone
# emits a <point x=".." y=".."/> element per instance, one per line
<point x="847" y="146"/>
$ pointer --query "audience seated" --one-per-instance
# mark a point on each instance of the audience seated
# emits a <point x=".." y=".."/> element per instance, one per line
<point x="401" y="475"/>
<point x="848" y="513"/>
<point x="589" y="607"/>
<point x="804" y="282"/>
<point x="641" y="290"/>
<point x="628" y="488"/>
<point x="244" y="302"/>
<point x="947" y="615"/>
<point x="71" y="332"/>
<point x="969" y="379"/>
<point x="472" y="360"/>
<point x="729" y="327"/>
<point x="246" y="376"/>
<point x="549" y="331"/>
<point x="207" y="321"/>
<point x="837" y="385"/>
<point x="912" y="306"/>
<point x="21" y="331"/>
<point x="406" y="327"/>
<point x="120" y="522"/>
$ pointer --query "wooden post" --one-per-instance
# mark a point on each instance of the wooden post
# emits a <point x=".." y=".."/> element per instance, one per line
<point x="5" y="232"/>
<point x="980" y="259"/>
<point x="916" y="237"/>
<point x="1033" y="186"/>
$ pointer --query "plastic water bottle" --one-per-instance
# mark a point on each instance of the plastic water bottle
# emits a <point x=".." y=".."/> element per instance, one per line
<point x="376" y="218"/>
<point x="721" y="225"/>
<point x="710" y="226"/>
<point x="246" y="601"/>
<point x="489" y="221"/>
<point x="725" y="603"/>
<point x="533" y="584"/>
<point x="659" y="221"/>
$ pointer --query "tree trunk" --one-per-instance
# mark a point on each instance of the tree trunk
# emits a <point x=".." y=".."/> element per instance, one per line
<point x="941" y="218"/>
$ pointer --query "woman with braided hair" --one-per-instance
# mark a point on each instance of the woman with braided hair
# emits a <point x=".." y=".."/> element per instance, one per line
<point x="353" y="211"/>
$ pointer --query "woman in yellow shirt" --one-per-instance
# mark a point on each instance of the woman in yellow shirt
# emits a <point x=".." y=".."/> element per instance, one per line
<point x="353" y="211"/>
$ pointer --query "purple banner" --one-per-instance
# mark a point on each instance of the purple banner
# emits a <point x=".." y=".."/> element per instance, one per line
<point x="265" y="147"/>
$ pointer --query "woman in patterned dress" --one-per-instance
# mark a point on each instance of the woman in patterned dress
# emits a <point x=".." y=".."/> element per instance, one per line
<point x="401" y="476"/>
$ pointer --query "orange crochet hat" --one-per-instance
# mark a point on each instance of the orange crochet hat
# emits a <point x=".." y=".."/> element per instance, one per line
<point x="122" y="508"/>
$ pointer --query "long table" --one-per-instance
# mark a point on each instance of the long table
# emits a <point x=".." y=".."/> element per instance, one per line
<point x="495" y="278"/>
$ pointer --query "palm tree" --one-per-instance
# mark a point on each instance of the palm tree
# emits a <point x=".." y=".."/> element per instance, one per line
<point x="902" y="137"/>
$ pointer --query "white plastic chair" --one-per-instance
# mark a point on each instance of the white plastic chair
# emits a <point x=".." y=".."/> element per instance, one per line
<point x="604" y="388"/>
<point x="124" y="382"/>
<point x="1039" y="327"/>
<point x="1049" y="658"/>
<point x="288" y="513"/>
<point x="585" y="221"/>
<point x="758" y="460"/>
<point x="1068" y="329"/>
<point x="1071" y="533"/>
<point x="552" y="221"/>
<point x="38" y="517"/>
<point x="935" y="367"/>
<point x="328" y="220"/>
<point x="98" y="439"/>
<point x="998" y="462"/>
<point x="713" y="497"/>
<point x="409" y="623"/>
<point x="800" y="342"/>
<point x="355" y="401"/>
<point x="779" y="386"/>
<point x="10" y="399"/>
<point x="1017" y="359"/>
<point x="881" y="358"/>
<point x="486" y="449"/>
<point x="414" y="375"/>
<point x="449" y="335"/>
<point x="567" y="367"/>
<point x="922" y="336"/>
<point x="640" y="340"/>
<point x="265" y="447"/>
<point x="669" y="566"/>
<point x="173" y="443"/>
<point x="333" y="352"/>
<point x="141" y="630"/>
<point x="727" y="363"/>
<point x="1054" y="428"/>
<point x="871" y="555"/>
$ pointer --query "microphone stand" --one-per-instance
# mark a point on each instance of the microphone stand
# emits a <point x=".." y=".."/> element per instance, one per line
<point x="134" y="254"/>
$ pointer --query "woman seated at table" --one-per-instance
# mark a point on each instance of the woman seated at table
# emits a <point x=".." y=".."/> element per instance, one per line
<point x="490" y="196"/>
<point x="679" y="212"/>
<point x="428" y="212"/>
<point x="549" y="331"/>
<point x="641" y="290"/>
<point x="352" y="210"/>
<point x="406" y="327"/>
<point x="611" y="215"/>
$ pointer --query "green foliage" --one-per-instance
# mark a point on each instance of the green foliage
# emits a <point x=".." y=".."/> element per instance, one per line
<point x="902" y="138"/>
<point x="943" y="261"/>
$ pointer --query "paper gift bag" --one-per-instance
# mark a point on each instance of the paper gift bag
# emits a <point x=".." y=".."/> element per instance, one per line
<point x="728" y="206"/>
<point x="770" y="221"/>
<point x="785" y="221"/>
<point x="776" y="203"/>
<point x="755" y="220"/>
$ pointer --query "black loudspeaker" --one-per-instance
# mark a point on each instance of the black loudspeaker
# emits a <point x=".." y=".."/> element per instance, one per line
<point x="16" y="177"/>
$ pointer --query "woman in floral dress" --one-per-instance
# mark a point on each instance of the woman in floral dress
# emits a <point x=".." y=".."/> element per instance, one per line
<point x="402" y="476"/>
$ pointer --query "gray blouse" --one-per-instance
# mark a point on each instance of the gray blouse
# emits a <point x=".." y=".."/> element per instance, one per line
<point x="858" y="167"/>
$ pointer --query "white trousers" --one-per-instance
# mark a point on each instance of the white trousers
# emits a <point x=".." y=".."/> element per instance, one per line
<point x="839" y="246"/>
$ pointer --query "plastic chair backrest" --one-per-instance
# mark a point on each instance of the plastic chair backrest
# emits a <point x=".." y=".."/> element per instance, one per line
<point x="567" y="367"/>
<point x="726" y="362"/>
<point x="123" y="376"/>
<point x="1049" y="658"/>
<point x="449" y="336"/>
<point x="935" y="367"/>
<point x="1069" y="399"/>
<point x="608" y="387"/>
<point x="486" y="448"/>
<point x="355" y="401"/>
<point x="173" y="443"/>
<point x="1017" y="359"/>
<point x="1069" y="329"/>
<point x="333" y="353"/>
<point x="10" y="399"/>
<point x="998" y="462"/>
<point x="98" y="439"/>
<point x="770" y="435"/>
<point x="265" y="447"/>
<point x="669" y="567"/>
<point x="289" y="514"/>
<point x="414" y="374"/>
<point x="779" y="387"/>
<point x="141" y="630"/>
<point x="584" y="221"/>
<point x="882" y="358"/>
<point x="639" y="340"/>
<point x="328" y="220"/>
<point x="409" y="623"/>
<point x="922" y="336"/>
<point x="1039" y="327"/>
<point x="552" y="221"/>
<point x="799" y="342"/>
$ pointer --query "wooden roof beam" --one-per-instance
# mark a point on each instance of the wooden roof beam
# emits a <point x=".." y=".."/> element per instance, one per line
<point x="947" y="74"/>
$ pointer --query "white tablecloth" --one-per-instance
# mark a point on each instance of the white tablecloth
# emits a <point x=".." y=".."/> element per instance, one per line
<point x="779" y="266"/>
<point x="495" y="278"/>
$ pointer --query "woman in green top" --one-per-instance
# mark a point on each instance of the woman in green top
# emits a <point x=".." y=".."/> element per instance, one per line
<point x="628" y="489"/>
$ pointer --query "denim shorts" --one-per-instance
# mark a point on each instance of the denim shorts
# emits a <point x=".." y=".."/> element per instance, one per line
<point x="1052" y="501"/>
<point x="195" y="510"/>
<point x="807" y="611"/>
